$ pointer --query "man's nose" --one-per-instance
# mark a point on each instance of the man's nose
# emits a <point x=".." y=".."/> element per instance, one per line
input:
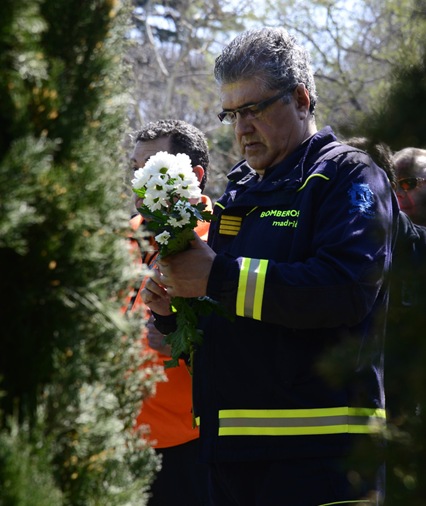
<point x="243" y="125"/>
<point x="404" y="196"/>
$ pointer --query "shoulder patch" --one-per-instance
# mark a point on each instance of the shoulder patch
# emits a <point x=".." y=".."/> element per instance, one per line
<point x="361" y="199"/>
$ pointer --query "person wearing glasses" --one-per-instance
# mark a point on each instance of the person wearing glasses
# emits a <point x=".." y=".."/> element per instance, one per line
<point x="407" y="311"/>
<point x="298" y="255"/>
<point x="410" y="166"/>
<point x="408" y="279"/>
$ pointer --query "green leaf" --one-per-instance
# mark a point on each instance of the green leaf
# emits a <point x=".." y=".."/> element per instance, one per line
<point x="179" y="242"/>
<point x="187" y="335"/>
<point x="140" y="192"/>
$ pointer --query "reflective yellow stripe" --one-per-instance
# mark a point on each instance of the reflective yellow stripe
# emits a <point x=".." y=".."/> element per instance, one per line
<point x="251" y="287"/>
<point x="305" y="413"/>
<point x="291" y="431"/>
<point x="310" y="177"/>
<point x="260" y="287"/>
<point x="299" y="422"/>
<point x="242" y="283"/>
<point x="357" y="502"/>
<point x="251" y="210"/>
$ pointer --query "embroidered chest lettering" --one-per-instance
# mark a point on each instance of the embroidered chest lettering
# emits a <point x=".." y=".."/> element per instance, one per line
<point x="282" y="217"/>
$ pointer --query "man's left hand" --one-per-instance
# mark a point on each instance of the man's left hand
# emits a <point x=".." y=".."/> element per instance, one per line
<point x="186" y="274"/>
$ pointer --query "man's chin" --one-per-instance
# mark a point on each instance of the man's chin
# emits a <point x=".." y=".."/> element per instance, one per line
<point x="253" y="161"/>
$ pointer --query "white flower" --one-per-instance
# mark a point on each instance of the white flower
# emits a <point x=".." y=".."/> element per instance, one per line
<point x="157" y="164"/>
<point x="156" y="199"/>
<point x="165" y="178"/>
<point x="174" y="222"/>
<point x="160" y="161"/>
<point x="190" y="191"/>
<point x="140" y="179"/>
<point x="181" y="220"/>
<point x="170" y="189"/>
<point x="152" y="202"/>
<point x="163" y="238"/>
<point x="182" y="205"/>
<point x="157" y="181"/>
<point x="184" y="161"/>
<point x="188" y="184"/>
<point x="184" y="210"/>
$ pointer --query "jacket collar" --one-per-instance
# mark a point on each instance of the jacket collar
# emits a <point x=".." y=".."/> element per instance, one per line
<point x="291" y="170"/>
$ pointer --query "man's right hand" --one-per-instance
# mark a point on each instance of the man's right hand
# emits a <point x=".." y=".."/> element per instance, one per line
<point x="155" y="296"/>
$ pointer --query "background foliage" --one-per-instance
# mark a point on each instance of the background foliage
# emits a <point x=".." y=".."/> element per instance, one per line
<point x="359" y="50"/>
<point x="70" y="362"/>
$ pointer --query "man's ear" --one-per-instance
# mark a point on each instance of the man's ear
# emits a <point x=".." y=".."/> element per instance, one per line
<point x="302" y="98"/>
<point x="199" y="172"/>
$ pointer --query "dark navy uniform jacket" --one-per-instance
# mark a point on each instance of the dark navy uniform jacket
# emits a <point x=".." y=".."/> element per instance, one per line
<point x="301" y="267"/>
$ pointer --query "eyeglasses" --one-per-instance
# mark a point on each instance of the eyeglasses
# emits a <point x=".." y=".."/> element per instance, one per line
<point x="409" y="183"/>
<point x="250" y="111"/>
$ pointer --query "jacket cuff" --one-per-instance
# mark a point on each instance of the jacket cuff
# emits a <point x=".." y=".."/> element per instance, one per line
<point x="222" y="285"/>
<point x="164" y="324"/>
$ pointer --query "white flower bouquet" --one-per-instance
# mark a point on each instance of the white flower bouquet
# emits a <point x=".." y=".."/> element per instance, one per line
<point x="168" y="186"/>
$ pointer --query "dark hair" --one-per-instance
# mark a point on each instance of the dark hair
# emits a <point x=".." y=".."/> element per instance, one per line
<point x="380" y="153"/>
<point x="270" y="54"/>
<point x="184" y="138"/>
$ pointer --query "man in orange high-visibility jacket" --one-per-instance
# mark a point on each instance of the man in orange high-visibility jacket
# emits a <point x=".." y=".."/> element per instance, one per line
<point x="168" y="413"/>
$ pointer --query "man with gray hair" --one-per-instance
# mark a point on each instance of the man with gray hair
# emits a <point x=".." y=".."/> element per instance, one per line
<point x="410" y="166"/>
<point x="299" y="255"/>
